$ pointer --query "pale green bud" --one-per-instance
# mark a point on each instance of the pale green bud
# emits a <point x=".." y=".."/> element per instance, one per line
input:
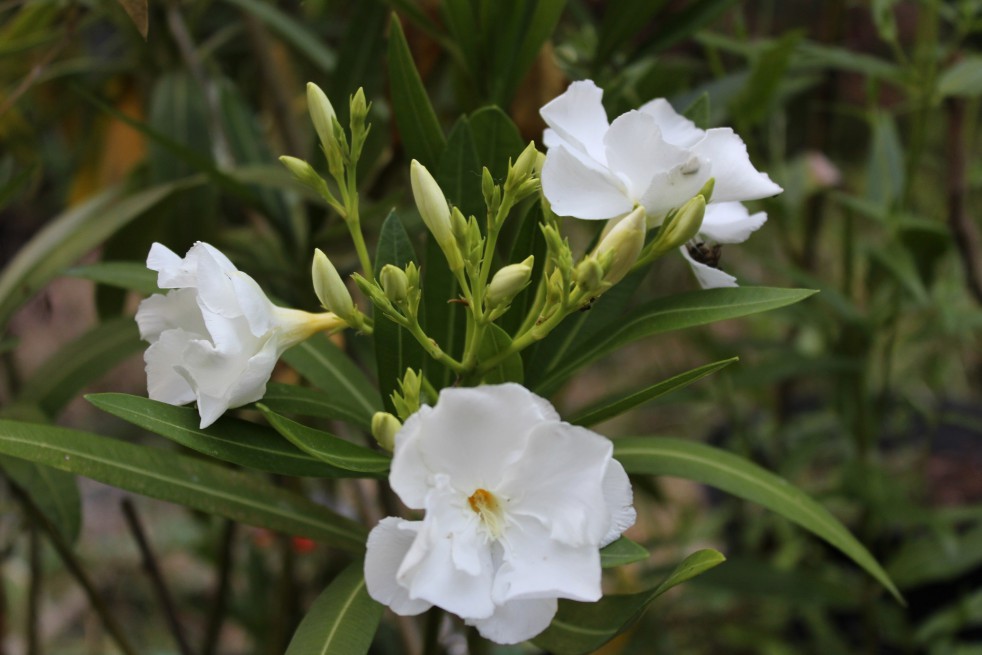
<point x="507" y="283"/>
<point x="487" y="186"/>
<point x="619" y="250"/>
<point x="329" y="286"/>
<point x="589" y="275"/>
<point x="435" y="211"/>
<point x="323" y="116"/>
<point x="306" y="175"/>
<point x="406" y="399"/>
<point x="359" y="115"/>
<point x="385" y="427"/>
<point x="683" y="226"/>
<point x="395" y="283"/>
<point x="522" y="168"/>
<point x="707" y="189"/>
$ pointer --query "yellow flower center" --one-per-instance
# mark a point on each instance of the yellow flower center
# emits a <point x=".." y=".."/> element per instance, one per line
<point x="487" y="508"/>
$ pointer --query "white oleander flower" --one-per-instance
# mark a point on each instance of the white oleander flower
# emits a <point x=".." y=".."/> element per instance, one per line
<point x="518" y="504"/>
<point x="650" y="157"/>
<point x="725" y="222"/>
<point x="215" y="337"/>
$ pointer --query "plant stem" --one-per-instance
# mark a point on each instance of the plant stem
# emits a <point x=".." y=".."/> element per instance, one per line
<point x="74" y="567"/>
<point x="34" y="591"/>
<point x="217" y="614"/>
<point x="156" y="578"/>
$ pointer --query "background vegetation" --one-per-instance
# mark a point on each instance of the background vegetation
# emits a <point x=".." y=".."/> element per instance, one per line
<point x="127" y="123"/>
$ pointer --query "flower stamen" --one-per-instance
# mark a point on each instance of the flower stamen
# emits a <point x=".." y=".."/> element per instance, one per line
<point x="486" y="506"/>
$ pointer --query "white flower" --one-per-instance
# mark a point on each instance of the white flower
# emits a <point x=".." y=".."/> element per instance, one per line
<point x="215" y="337"/>
<point x="651" y="157"/>
<point x="518" y="504"/>
<point x="725" y="222"/>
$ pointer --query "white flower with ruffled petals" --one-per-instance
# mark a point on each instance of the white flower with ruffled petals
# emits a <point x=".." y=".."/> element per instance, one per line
<point x="650" y="157"/>
<point x="725" y="222"/>
<point x="518" y="504"/>
<point x="215" y="337"/>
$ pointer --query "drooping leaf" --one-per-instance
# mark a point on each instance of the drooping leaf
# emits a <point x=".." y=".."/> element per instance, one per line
<point x="607" y="409"/>
<point x="64" y="240"/>
<point x="230" y="439"/>
<point x="421" y="133"/>
<point x="754" y="102"/>
<point x="326" y="447"/>
<point x="53" y="492"/>
<point x="621" y="552"/>
<point x="334" y="373"/>
<point x="666" y="314"/>
<point x="294" y="399"/>
<point x="581" y="628"/>
<point x="180" y="479"/>
<point x="740" y="477"/>
<point x="343" y="619"/>
<point x="80" y="362"/>
<point x="133" y="276"/>
<point x="293" y="32"/>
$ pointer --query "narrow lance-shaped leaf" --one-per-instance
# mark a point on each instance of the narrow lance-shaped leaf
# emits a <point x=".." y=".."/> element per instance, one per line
<point x="607" y="409"/>
<point x="293" y="399"/>
<point x="180" y="479"/>
<point x="54" y="492"/>
<point x="326" y="447"/>
<point x="343" y="619"/>
<point x="230" y="439"/>
<point x="581" y="628"/>
<point x="735" y="475"/>
<point x="622" y="551"/>
<point x="134" y="276"/>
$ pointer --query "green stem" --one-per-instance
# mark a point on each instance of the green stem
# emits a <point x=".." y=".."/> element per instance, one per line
<point x="354" y="226"/>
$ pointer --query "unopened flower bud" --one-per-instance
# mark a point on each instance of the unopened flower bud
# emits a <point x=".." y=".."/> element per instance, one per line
<point x="329" y="286"/>
<point x="619" y="250"/>
<point x="323" y="116"/>
<point x="507" y="283"/>
<point x="707" y="189"/>
<point x="523" y="166"/>
<point x="305" y="174"/>
<point x="359" y="110"/>
<point x="487" y="186"/>
<point x="385" y="426"/>
<point x="589" y="275"/>
<point x="395" y="283"/>
<point x="435" y="212"/>
<point x="683" y="226"/>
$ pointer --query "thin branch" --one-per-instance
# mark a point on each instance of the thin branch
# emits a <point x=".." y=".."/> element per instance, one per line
<point x="156" y="578"/>
<point x="34" y="591"/>
<point x="74" y="567"/>
<point x="220" y="595"/>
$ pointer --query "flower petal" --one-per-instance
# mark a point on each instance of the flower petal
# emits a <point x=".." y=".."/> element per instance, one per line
<point x="474" y="435"/>
<point x="730" y="222"/>
<point x="216" y="293"/>
<point x="636" y="150"/>
<point x="517" y="620"/>
<point x="674" y="187"/>
<point x="536" y="565"/>
<point x="169" y="266"/>
<point x="253" y="303"/>
<point x="709" y="277"/>
<point x="676" y="128"/>
<point x="179" y="308"/>
<point x="578" y="117"/>
<point x="576" y="188"/>
<point x="736" y="177"/>
<point x="620" y="501"/>
<point x="559" y="481"/>
<point x="164" y="383"/>
<point x="388" y="543"/>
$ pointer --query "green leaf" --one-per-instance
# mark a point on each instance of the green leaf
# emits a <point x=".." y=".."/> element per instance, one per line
<point x="620" y="23"/>
<point x="54" y="492"/>
<point x="343" y="619"/>
<point x="962" y="78"/>
<point x="936" y="558"/>
<point x="497" y="139"/>
<point x="291" y="31"/>
<point x="608" y="409"/>
<point x="459" y="173"/>
<point x="754" y="103"/>
<point x="74" y="233"/>
<point x="666" y="314"/>
<point x="68" y="371"/>
<point x="293" y="399"/>
<point x="581" y="628"/>
<point x="328" y="448"/>
<point x="811" y="54"/>
<point x="698" y="112"/>
<point x="621" y="552"/>
<point x="123" y="275"/>
<point x="230" y="440"/>
<point x="395" y="349"/>
<point x="683" y="24"/>
<point x="531" y="24"/>
<point x="329" y="369"/>
<point x="443" y="320"/>
<point x="176" y="478"/>
<point x="735" y="475"/>
<point x="420" y="130"/>
<point x="885" y="170"/>
<point x="509" y="369"/>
